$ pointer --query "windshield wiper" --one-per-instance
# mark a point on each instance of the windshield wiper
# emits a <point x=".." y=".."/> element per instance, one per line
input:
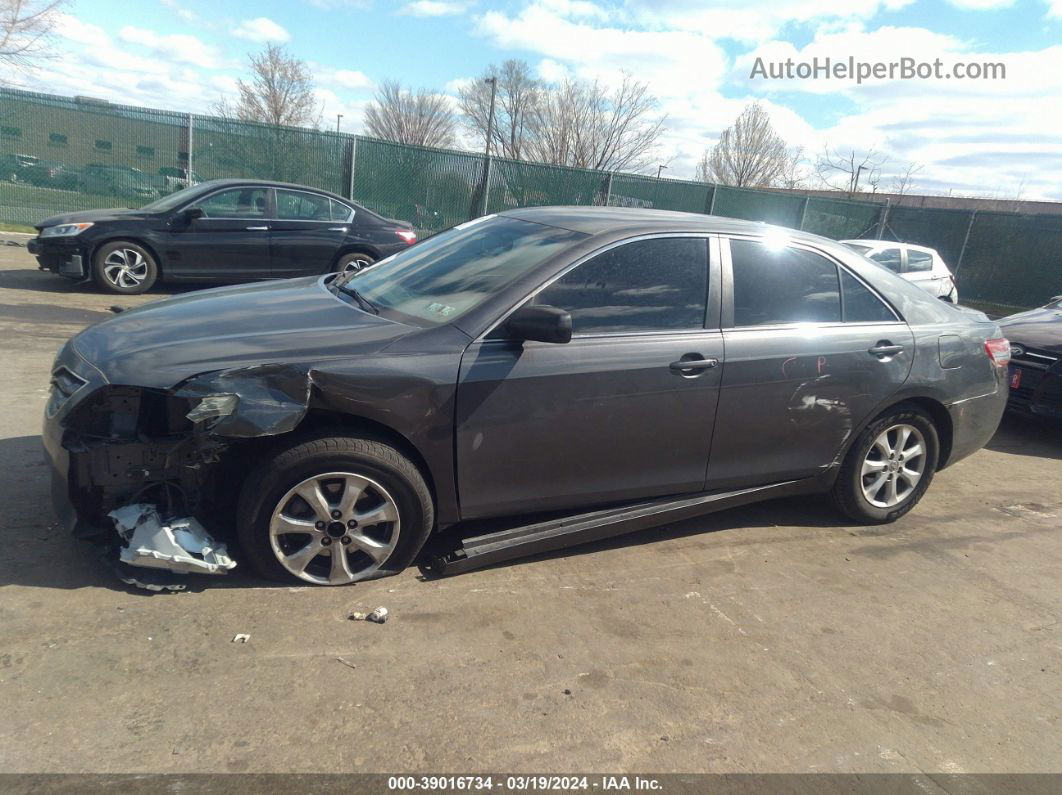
<point x="363" y="302"/>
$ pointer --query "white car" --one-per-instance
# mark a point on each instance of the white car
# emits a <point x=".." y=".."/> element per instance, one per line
<point x="918" y="264"/>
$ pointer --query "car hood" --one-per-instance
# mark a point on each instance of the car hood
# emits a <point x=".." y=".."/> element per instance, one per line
<point x="1038" y="328"/>
<point x="94" y="216"/>
<point x="166" y="342"/>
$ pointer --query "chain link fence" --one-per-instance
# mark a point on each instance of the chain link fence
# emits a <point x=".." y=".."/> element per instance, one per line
<point x="61" y="154"/>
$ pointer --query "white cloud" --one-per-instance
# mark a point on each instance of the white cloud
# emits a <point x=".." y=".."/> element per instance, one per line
<point x="70" y="27"/>
<point x="340" y="78"/>
<point x="981" y="5"/>
<point x="261" y="29"/>
<point x="178" y="47"/>
<point x="179" y="8"/>
<point x="458" y="83"/>
<point x="967" y="133"/>
<point x="1054" y="9"/>
<point x="435" y="8"/>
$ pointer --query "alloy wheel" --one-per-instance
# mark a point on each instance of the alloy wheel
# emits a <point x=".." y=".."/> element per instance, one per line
<point x="893" y="466"/>
<point x="355" y="265"/>
<point x="126" y="268"/>
<point x="335" y="528"/>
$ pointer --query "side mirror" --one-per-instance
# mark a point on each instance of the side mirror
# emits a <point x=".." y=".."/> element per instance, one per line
<point x="541" y="324"/>
<point x="190" y="214"/>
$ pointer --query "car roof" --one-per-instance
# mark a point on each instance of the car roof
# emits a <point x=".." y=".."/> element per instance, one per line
<point x="598" y="220"/>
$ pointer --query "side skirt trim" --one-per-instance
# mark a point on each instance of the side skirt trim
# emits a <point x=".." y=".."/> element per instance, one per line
<point x="484" y="550"/>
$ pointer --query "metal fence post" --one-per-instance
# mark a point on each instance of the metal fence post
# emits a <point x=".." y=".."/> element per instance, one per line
<point x="884" y="217"/>
<point x="353" y="153"/>
<point x="608" y="189"/>
<point x="191" y="146"/>
<point x="711" y="204"/>
<point x="965" y="240"/>
<point x="804" y="212"/>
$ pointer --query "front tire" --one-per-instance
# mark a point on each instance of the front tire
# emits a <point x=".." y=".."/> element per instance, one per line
<point x="124" y="267"/>
<point x="889" y="468"/>
<point x="334" y="510"/>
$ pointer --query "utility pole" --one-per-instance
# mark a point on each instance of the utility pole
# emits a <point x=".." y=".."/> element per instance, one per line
<point x="490" y="115"/>
<point x="855" y="182"/>
<point x="338" y="117"/>
<point x="490" y="133"/>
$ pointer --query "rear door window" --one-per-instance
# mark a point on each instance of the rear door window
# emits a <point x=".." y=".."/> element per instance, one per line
<point x="298" y="206"/>
<point x="889" y="257"/>
<point x="919" y="261"/>
<point x="775" y="286"/>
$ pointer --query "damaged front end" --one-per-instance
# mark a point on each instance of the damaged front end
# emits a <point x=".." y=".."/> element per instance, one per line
<point x="144" y="471"/>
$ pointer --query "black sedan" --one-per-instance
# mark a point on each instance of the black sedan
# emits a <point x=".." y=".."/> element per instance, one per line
<point x="226" y="230"/>
<point x="1036" y="359"/>
<point x="612" y="367"/>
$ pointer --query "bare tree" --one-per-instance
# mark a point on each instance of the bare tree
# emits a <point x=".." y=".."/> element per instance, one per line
<point x="903" y="182"/>
<point x="517" y="98"/>
<point x="750" y="153"/>
<point x="423" y="118"/>
<point x="846" y="170"/>
<point x="280" y="92"/>
<point x="586" y="125"/>
<point x="25" y="27"/>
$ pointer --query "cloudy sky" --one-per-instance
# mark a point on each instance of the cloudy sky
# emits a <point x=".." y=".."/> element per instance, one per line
<point x="999" y="137"/>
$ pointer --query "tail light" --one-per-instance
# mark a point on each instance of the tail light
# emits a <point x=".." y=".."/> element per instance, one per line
<point x="998" y="351"/>
<point x="407" y="235"/>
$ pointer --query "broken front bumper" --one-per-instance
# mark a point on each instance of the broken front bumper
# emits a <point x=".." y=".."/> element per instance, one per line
<point x="62" y="256"/>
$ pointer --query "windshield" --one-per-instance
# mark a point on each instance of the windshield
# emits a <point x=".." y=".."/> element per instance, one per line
<point x="174" y="200"/>
<point x="443" y="277"/>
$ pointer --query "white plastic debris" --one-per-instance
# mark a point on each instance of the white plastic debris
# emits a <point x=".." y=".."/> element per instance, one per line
<point x="241" y="637"/>
<point x="377" y="616"/>
<point x="183" y="545"/>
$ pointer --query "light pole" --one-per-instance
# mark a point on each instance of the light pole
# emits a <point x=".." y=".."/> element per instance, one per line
<point x="660" y="168"/>
<point x="855" y="184"/>
<point x="338" y="117"/>
<point x="490" y="114"/>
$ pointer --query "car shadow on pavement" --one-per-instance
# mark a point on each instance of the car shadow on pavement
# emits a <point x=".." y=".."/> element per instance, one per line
<point x="40" y="553"/>
<point x="47" y="282"/>
<point x="1033" y="436"/>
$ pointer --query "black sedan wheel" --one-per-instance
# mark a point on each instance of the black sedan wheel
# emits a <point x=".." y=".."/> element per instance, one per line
<point x="124" y="267"/>
<point x="889" y="467"/>
<point x="333" y="511"/>
<point x="349" y="263"/>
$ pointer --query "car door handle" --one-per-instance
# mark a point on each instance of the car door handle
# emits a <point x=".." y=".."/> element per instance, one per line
<point x="257" y="228"/>
<point x="885" y="349"/>
<point x="683" y="365"/>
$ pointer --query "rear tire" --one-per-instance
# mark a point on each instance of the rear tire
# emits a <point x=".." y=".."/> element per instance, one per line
<point x="385" y="512"/>
<point x="124" y="267"/>
<point x="353" y="262"/>
<point x="889" y="468"/>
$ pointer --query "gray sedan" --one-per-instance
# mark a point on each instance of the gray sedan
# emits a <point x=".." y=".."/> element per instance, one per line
<point x="518" y="383"/>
